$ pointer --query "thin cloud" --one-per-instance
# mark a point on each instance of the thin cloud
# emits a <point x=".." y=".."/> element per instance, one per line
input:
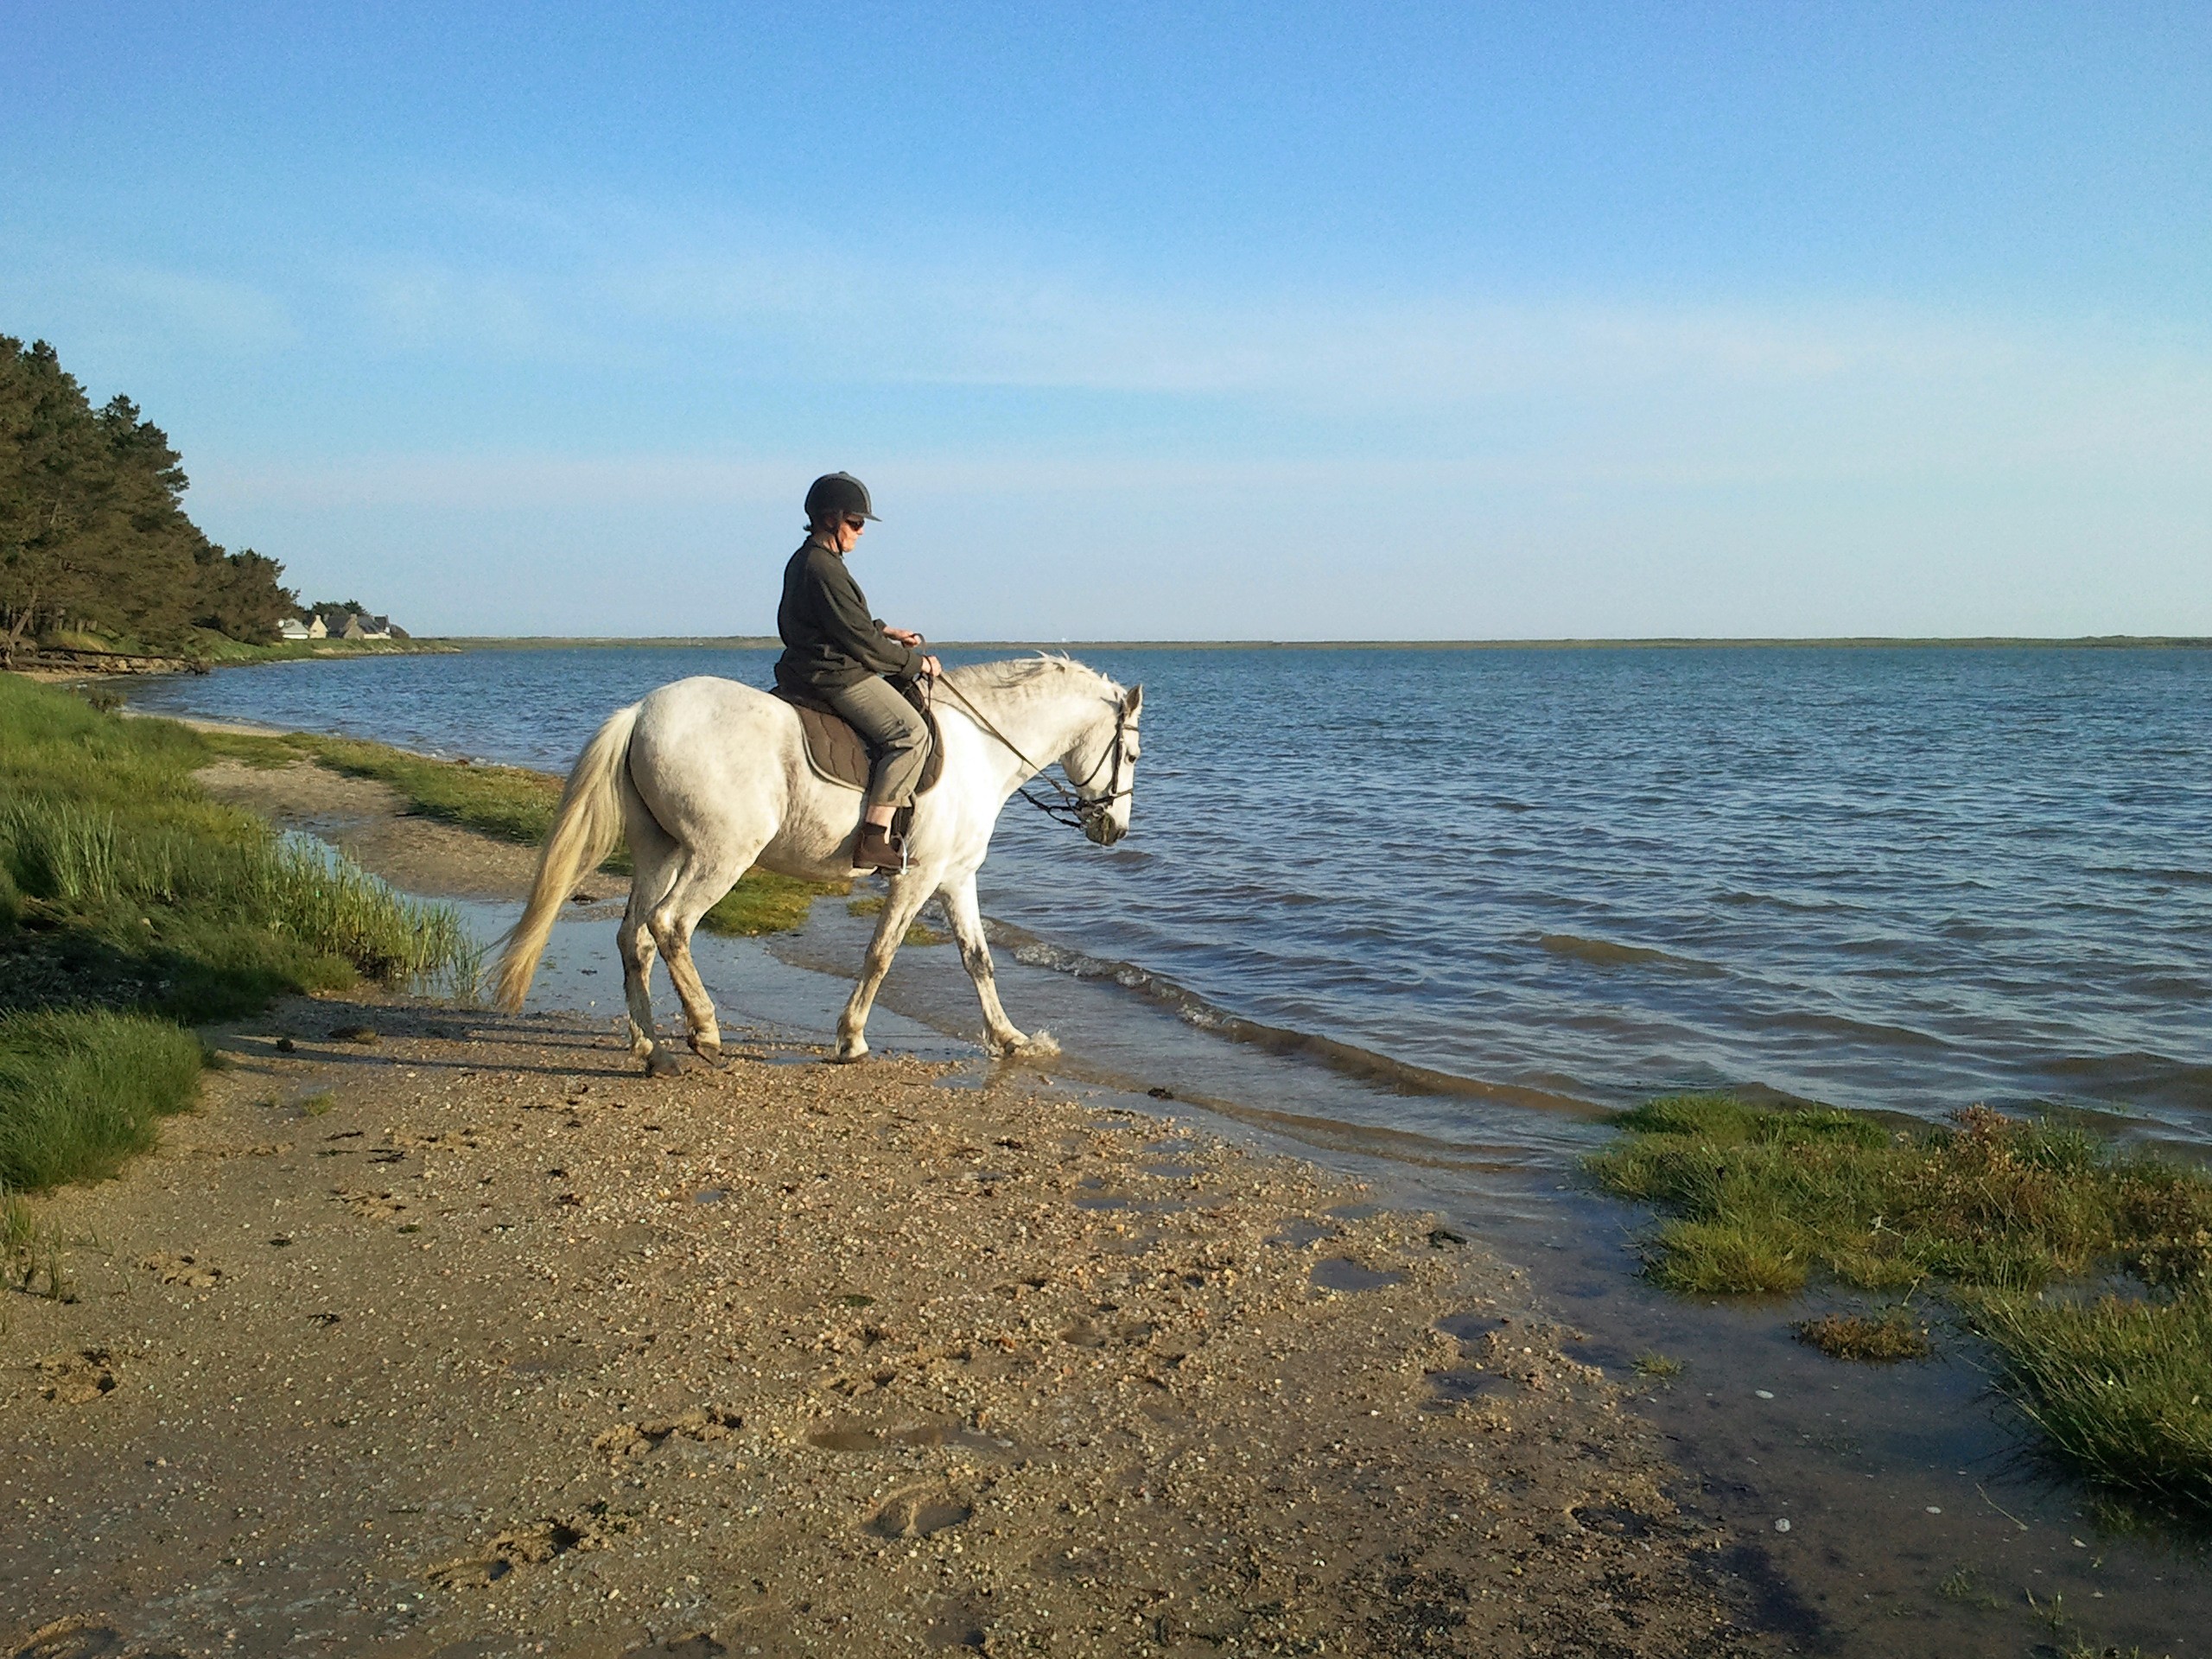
<point x="152" y="309"/>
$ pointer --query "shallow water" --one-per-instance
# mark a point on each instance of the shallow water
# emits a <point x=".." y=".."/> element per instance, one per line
<point x="1502" y="887"/>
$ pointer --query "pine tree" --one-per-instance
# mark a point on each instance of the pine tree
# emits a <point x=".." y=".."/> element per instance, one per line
<point x="92" y="525"/>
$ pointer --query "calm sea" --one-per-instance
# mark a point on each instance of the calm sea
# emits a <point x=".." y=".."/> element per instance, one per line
<point x="1483" y="882"/>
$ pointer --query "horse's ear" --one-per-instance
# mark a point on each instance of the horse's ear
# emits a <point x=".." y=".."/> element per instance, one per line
<point x="1132" y="702"/>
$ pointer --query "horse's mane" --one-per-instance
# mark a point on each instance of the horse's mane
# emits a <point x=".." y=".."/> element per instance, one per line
<point x="1012" y="672"/>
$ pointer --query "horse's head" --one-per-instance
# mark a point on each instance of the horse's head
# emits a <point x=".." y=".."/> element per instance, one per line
<point x="1102" y="764"/>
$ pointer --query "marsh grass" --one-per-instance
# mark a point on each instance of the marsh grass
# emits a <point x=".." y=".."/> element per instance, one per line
<point x="1881" y="1340"/>
<point x="512" y="803"/>
<point x="1996" y="1210"/>
<point x="131" y="903"/>
<point x="2118" y="1386"/>
<point x="919" y="932"/>
<point x="219" y="912"/>
<point x="80" y="1091"/>
<point x="764" y="902"/>
<point x="1762" y="1198"/>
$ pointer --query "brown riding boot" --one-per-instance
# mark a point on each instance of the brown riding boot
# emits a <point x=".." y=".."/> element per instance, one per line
<point x="879" y="849"/>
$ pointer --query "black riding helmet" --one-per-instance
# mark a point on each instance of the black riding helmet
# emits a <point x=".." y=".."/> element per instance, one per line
<point x="837" y="492"/>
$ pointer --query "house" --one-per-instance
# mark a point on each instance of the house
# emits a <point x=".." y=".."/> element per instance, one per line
<point x="347" y="621"/>
<point x="302" y="627"/>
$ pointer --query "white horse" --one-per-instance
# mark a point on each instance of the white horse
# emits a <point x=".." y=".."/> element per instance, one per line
<point x="707" y="778"/>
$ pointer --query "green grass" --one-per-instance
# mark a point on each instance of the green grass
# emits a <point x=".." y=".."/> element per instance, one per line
<point x="130" y="905"/>
<point x="206" y="645"/>
<point x="517" y="804"/>
<point x="919" y="932"/>
<point x="509" y="802"/>
<point x="1995" y="1211"/>
<point x="221" y="648"/>
<point x="1761" y="1199"/>
<point x="764" y="902"/>
<point x="80" y="1091"/>
<point x="2119" y="1387"/>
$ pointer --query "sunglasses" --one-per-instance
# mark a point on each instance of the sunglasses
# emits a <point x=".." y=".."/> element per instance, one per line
<point x="852" y="523"/>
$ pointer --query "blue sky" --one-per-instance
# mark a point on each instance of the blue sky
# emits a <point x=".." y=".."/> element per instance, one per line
<point x="1190" y="321"/>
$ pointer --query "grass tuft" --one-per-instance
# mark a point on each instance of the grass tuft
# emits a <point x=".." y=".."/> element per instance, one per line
<point x="1894" y="1336"/>
<point x="2117" y="1386"/>
<point x="80" y="1091"/>
<point x="1759" y="1201"/>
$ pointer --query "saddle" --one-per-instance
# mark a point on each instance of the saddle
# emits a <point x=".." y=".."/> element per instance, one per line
<point x="835" y="751"/>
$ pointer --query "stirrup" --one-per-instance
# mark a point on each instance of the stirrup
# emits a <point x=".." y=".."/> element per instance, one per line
<point x="877" y="849"/>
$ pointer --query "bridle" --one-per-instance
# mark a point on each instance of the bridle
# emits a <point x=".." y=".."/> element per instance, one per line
<point x="1068" y="804"/>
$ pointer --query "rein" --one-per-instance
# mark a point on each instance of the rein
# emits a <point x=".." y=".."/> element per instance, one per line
<point x="1068" y="805"/>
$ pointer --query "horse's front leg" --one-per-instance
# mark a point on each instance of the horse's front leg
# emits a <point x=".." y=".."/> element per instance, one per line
<point x="901" y="905"/>
<point x="1004" y="1038"/>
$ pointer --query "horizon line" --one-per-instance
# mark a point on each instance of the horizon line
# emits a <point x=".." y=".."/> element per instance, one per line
<point x="753" y="641"/>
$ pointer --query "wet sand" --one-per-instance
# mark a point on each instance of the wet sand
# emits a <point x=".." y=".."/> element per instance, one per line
<point x="454" y="1335"/>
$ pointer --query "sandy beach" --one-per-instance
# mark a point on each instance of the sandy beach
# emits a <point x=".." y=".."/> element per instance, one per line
<point x="438" y="1331"/>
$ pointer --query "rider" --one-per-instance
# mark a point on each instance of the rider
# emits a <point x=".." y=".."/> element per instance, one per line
<point x="834" y="652"/>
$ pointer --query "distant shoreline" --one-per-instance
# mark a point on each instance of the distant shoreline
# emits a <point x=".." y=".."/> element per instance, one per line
<point x="757" y="642"/>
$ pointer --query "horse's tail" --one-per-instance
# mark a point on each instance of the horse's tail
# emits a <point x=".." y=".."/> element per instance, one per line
<point x="585" y="832"/>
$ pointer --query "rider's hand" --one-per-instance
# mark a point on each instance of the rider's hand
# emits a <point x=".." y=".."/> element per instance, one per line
<point x="904" y="636"/>
<point x="931" y="668"/>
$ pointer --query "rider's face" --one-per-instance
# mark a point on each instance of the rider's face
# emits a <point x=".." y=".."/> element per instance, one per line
<point x="848" y="533"/>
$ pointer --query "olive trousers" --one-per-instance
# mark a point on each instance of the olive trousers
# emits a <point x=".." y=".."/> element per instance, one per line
<point x="893" y="732"/>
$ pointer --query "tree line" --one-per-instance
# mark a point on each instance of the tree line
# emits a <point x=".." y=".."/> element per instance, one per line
<point x="93" y="533"/>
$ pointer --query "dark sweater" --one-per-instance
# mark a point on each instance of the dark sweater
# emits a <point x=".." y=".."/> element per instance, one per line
<point x="829" y="639"/>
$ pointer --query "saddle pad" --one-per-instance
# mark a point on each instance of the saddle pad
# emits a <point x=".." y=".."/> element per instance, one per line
<point x="836" y="752"/>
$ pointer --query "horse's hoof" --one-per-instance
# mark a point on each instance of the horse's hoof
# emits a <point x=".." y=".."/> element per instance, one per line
<point x="710" y="1055"/>
<point x="1038" y="1046"/>
<point x="665" y="1063"/>
<point x="851" y="1053"/>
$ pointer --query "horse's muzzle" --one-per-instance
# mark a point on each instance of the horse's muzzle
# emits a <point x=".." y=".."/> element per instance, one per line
<point x="1103" y="831"/>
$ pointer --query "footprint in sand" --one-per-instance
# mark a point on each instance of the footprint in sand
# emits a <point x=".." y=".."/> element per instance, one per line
<point x="1084" y="1331"/>
<point x="523" y="1547"/>
<point x="75" y="1379"/>
<point x="636" y="1439"/>
<point x="173" y="1268"/>
<point x="79" y="1637"/>
<point x="381" y="1205"/>
<point x="917" y="1512"/>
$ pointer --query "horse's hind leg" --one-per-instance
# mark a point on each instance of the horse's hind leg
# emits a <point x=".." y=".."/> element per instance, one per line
<point x="901" y="905"/>
<point x="975" y="954"/>
<point x="653" y="856"/>
<point x="635" y="942"/>
<point x="694" y="893"/>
